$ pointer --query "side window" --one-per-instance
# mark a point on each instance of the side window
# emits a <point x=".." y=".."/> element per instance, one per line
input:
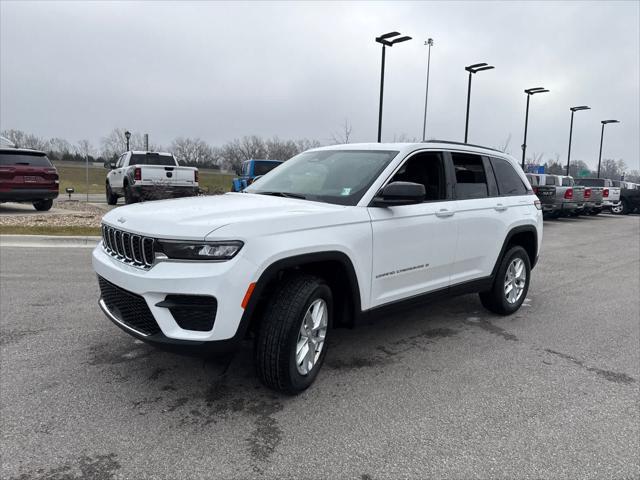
<point x="471" y="180"/>
<point x="428" y="169"/>
<point x="509" y="182"/>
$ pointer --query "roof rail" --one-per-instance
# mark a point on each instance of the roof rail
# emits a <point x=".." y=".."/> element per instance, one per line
<point x="461" y="143"/>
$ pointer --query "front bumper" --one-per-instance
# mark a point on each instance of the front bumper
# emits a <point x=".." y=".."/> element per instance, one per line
<point x="226" y="281"/>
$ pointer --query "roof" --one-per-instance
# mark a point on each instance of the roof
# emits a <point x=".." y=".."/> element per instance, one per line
<point x="409" y="147"/>
<point x="144" y="152"/>
<point x="27" y="151"/>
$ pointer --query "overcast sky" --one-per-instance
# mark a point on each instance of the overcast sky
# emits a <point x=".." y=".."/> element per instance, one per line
<point x="219" y="71"/>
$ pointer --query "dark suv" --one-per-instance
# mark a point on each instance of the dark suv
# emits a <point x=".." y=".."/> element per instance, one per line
<point x="27" y="176"/>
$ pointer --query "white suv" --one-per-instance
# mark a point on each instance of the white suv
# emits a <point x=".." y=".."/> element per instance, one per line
<point x="329" y="236"/>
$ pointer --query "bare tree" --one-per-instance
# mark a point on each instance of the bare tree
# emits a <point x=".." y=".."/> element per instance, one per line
<point x="344" y="135"/>
<point x="192" y="151"/>
<point x="281" y="149"/>
<point x="25" y="140"/>
<point x="85" y="148"/>
<point x="115" y="143"/>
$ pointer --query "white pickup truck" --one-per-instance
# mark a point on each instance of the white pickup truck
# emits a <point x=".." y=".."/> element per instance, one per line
<point x="610" y="193"/>
<point x="139" y="175"/>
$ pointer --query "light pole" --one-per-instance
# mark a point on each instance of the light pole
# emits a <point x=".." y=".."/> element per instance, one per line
<point x="475" y="68"/>
<point x="573" y="110"/>
<point x="603" y="122"/>
<point x="429" y="42"/>
<point x="529" y="92"/>
<point x="127" y="135"/>
<point x="384" y="40"/>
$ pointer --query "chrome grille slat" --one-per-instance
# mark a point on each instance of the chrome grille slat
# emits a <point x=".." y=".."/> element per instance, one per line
<point x="129" y="248"/>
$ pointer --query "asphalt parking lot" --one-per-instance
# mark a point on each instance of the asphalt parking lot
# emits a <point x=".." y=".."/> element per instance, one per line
<point x="445" y="390"/>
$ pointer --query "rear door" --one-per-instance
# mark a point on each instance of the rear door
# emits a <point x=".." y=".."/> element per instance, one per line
<point x="483" y="213"/>
<point x="414" y="245"/>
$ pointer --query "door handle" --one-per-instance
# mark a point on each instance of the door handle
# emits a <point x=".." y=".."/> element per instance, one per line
<point x="500" y="207"/>
<point x="443" y="213"/>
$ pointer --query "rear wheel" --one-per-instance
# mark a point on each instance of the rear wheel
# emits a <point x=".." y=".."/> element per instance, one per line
<point x="129" y="197"/>
<point x="290" y="346"/>
<point x="112" y="198"/>
<point x="626" y="210"/>
<point x="617" y="209"/>
<point x="43" y="205"/>
<point x="511" y="284"/>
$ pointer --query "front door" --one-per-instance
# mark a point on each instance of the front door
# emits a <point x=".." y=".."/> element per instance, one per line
<point x="414" y="245"/>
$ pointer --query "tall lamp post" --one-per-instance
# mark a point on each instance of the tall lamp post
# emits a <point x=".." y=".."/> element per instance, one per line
<point x="429" y="43"/>
<point x="573" y="110"/>
<point x="603" y="122"/>
<point x="475" y="68"/>
<point x="127" y="135"/>
<point x="529" y="92"/>
<point x="386" y="42"/>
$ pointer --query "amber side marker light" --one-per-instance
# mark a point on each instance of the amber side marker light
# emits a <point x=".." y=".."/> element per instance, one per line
<point x="247" y="296"/>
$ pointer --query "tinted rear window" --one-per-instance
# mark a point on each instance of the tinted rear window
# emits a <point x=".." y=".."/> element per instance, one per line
<point x="509" y="182"/>
<point x="152" y="159"/>
<point x="548" y="180"/>
<point x="567" y="182"/>
<point x="260" y="168"/>
<point x="33" y="160"/>
<point x="590" y="182"/>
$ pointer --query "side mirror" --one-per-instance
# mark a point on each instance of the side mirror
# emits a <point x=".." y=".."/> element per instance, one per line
<point x="400" y="193"/>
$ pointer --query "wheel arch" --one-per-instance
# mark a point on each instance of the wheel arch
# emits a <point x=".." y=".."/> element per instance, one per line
<point x="525" y="236"/>
<point x="335" y="267"/>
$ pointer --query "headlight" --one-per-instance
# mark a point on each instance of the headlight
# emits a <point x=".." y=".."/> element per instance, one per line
<point x="200" y="250"/>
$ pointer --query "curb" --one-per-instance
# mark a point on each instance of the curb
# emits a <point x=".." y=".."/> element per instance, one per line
<point x="57" y="241"/>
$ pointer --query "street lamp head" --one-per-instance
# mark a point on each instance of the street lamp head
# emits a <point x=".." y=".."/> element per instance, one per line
<point x="533" y="91"/>
<point x="604" y="122"/>
<point x="429" y="42"/>
<point x="401" y="39"/>
<point x="581" y="107"/>
<point x="127" y="134"/>
<point x="478" y="67"/>
<point x="384" y="39"/>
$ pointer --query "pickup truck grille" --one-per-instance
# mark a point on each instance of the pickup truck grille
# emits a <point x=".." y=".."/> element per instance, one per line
<point x="127" y="247"/>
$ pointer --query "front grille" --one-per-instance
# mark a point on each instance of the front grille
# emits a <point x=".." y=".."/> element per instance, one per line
<point x="129" y="308"/>
<point x="192" y="312"/>
<point x="133" y="249"/>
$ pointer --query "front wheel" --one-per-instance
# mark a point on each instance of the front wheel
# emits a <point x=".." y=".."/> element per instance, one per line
<point x="291" y="343"/>
<point x="511" y="284"/>
<point x="626" y="210"/>
<point x="43" y="205"/>
<point x="617" y="209"/>
<point x="129" y="197"/>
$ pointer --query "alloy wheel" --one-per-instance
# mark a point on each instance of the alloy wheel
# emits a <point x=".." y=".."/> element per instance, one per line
<point x="311" y="336"/>
<point x="515" y="280"/>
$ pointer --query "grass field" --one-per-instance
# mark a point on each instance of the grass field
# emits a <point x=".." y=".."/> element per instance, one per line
<point x="49" y="230"/>
<point x="75" y="176"/>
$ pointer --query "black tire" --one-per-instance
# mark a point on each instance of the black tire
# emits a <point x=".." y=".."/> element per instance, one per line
<point x="593" y="213"/>
<point x="495" y="300"/>
<point x="275" y="346"/>
<point x="129" y="197"/>
<point x="43" y="205"/>
<point x="626" y="210"/>
<point x="112" y="198"/>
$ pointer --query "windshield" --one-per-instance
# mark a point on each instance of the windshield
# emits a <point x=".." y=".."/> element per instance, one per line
<point x="25" y="158"/>
<point x="333" y="176"/>
<point x="152" y="159"/>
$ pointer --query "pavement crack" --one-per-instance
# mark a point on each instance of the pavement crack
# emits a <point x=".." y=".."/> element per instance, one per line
<point x="612" y="376"/>
<point x="491" y="328"/>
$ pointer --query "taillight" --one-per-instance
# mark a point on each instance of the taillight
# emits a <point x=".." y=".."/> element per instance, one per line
<point x="568" y="193"/>
<point x="605" y="192"/>
<point x="587" y="193"/>
<point x="195" y="176"/>
<point x="137" y="174"/>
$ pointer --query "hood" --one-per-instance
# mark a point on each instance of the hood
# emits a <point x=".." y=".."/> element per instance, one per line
<point x="194" y="218"/>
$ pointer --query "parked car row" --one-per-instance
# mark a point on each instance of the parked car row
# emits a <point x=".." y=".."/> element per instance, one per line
<point x="562" y="195"/>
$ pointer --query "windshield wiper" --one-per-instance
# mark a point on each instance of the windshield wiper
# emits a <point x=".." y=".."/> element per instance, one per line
<point x="283" y="194"/>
